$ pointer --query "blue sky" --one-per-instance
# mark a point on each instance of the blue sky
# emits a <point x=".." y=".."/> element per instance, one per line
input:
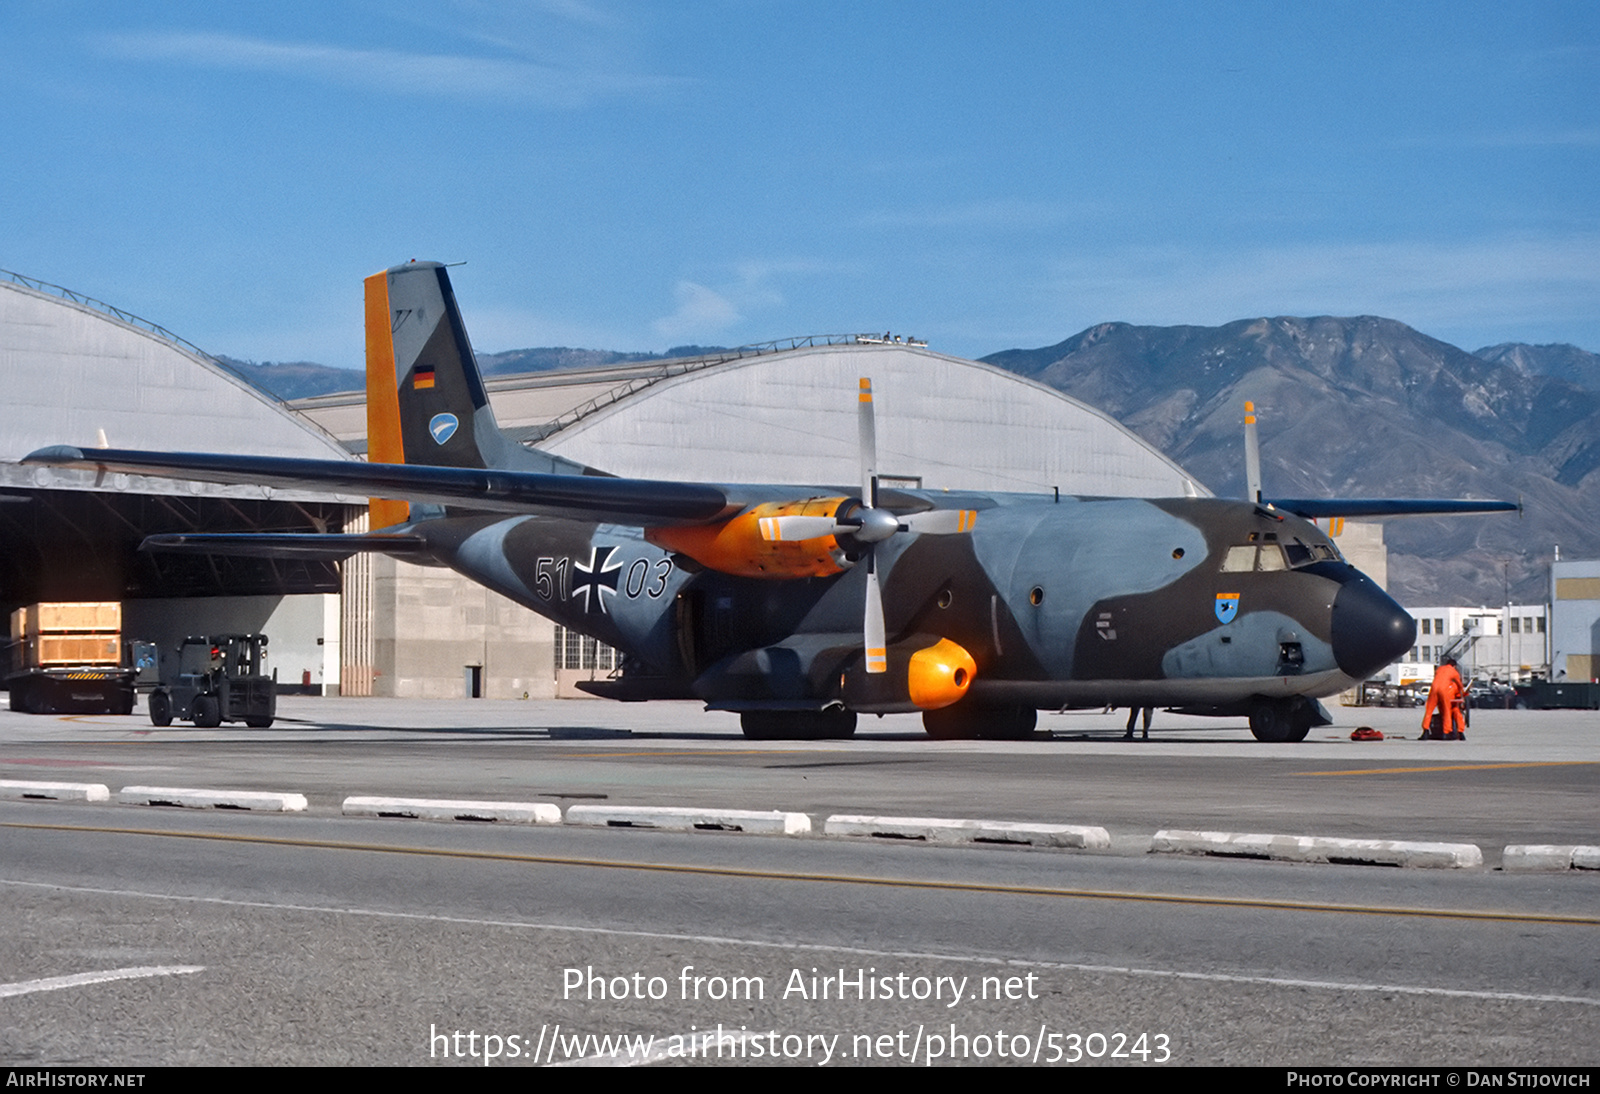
<point x="636" y="176"/>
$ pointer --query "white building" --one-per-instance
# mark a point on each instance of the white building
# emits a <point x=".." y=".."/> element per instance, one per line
<point x="1575" y="628"/>
<point x="1504" y="643"/>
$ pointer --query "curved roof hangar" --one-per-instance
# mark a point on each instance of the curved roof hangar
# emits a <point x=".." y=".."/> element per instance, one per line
<point x="791" y="416"/>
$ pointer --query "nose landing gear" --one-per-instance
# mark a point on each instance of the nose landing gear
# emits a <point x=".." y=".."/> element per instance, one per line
<point x="1284" y="720"/>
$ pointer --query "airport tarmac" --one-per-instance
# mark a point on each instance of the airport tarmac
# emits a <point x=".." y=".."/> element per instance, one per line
<point x="1520" y="777"/>
<point x="323" y="938"/>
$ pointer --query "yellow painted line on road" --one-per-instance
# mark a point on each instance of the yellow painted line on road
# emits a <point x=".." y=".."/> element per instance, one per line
<point x="844" y="879"/>
<point x="1449" y="767"/>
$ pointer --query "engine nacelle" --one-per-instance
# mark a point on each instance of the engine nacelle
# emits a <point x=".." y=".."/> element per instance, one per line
<point x="737" y="545"/>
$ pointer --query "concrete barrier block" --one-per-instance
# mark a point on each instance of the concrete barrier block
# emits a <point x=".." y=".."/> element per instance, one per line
<point x="765" y="822"/>
<point x="442" y="809"/>
<point x="949" y="830"/>
<point x="1537" y="856"/>
<point x="189" y="798"/>
<point x="1330" y="849"/>
<point x="21" y="790"/>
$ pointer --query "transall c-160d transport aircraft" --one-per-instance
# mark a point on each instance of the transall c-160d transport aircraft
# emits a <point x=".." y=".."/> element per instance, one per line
<point x="802" y="606"/>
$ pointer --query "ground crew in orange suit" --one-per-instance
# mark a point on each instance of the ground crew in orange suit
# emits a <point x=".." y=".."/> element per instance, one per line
<point x="1445" y="696"/>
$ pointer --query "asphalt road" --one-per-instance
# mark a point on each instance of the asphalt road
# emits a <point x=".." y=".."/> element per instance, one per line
<point x="315" y="938"/>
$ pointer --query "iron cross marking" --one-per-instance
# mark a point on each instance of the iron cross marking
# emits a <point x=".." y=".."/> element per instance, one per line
<point x="600" y="577"/>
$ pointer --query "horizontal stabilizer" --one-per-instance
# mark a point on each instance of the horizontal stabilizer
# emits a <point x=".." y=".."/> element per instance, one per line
<point x="1388" y="507"/>
<point x="644" y="502"/>
<point x="307" y="545"/>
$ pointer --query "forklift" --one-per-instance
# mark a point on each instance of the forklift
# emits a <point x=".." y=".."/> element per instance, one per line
<point x="220" y="678"/>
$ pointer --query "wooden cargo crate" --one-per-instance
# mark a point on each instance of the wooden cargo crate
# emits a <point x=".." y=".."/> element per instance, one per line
<point x="52" y="650"/>
<point x="90" y="616"/>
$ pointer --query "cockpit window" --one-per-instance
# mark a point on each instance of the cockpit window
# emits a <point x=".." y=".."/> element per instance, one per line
<point x="1239" y="560"/>
<point x="1271" y="557"/>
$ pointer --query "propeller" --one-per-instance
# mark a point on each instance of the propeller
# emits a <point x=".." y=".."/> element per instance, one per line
<point x="1252" y="456"/>
<point x="865" y="524"/>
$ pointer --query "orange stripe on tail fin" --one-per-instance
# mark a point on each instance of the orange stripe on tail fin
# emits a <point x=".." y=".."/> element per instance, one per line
<point x="383" y="399"/>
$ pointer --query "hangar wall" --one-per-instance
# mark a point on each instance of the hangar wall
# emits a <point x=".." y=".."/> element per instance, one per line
<point x="73" y="369"/>
<point x="790" y="416"/>
<point x="303" y="631"/>
<point x="435" y="634"/>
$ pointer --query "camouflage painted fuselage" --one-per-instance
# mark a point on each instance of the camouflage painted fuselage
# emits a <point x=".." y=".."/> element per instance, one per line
<point x="1077" y="601"/>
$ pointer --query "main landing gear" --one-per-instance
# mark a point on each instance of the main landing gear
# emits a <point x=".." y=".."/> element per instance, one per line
<point x="1284" y="720"/>
<point x="964" y="723"/>
<point x="798" y="725"/>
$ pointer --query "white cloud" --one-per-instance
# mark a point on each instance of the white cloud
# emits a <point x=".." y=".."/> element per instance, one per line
<point x="701" y="313"/>
<point x="393" y="71"/>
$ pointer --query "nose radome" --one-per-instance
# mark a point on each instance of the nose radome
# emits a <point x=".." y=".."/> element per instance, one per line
<point x="1370" y="630"/>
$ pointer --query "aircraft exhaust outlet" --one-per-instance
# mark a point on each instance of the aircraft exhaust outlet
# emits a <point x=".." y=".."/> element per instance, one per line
<point x="939" y="675"/>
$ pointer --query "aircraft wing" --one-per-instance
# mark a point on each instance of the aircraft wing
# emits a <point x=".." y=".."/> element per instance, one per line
<point x="644" y="502"/>
<point x="1388" y="507"/>
<point x="318" y="546"/>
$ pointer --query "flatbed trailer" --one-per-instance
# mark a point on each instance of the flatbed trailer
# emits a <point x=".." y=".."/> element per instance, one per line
<point x="81" y="690"/>
<point x="66" y="658"/>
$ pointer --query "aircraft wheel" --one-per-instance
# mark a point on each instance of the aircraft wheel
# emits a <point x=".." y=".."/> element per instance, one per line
<point x="160" y="705"/>
<point x="798" y="725"/>
<point x="950" y="724"/>
<point x="1009" y="724"/>
<point x="1269" y="721"/>
<point x="836" y="725"/>
<point x="207" y="714"/>
<point x="262" y="722"/>
<point x="964" y="723"/>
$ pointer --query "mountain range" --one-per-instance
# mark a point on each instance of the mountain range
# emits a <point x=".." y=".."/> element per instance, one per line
<point x="1349" y="407"/>
<point x="288" y="380"/>
<point x="1367" y="407"/>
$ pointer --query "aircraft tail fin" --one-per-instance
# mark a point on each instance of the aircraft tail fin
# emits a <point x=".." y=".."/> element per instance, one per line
<point x="426" y="403"/>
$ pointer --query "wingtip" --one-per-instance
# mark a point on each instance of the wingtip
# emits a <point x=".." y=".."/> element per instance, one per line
<point x="55" y="454"/>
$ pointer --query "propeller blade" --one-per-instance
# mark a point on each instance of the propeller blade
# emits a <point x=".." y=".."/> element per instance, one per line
<point x="868" y="525"/>
<point x="941" y="522"/>
<point x="873" y="631"/>
<point x="792" y="528"/>
<point x="1252" y="456"/>
<point x="868" y="446"/>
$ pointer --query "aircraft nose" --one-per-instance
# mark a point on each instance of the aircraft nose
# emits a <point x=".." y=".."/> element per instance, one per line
<point x="1369" y="629"/>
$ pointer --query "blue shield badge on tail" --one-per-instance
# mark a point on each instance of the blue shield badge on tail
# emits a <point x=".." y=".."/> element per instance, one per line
<point x="443" y="427"/>
<point x="1227" y="607"/>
